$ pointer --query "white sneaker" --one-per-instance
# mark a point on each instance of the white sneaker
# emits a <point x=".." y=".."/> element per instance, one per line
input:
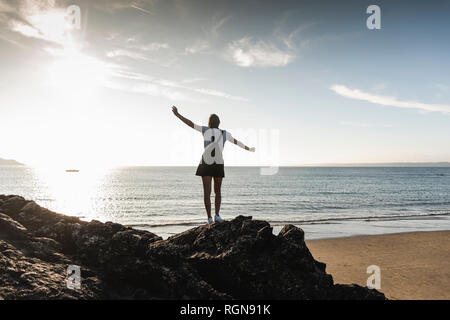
<point x="210" y="221"/>
<point x="218" y="219"/>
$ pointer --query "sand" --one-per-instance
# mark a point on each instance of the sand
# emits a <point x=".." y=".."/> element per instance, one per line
<point x="413" y="265"/>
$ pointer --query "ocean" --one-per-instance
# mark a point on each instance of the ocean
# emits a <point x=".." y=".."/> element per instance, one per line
<point x="327" y="202"/>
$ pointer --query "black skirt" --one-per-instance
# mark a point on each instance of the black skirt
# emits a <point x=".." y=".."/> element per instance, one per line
<point x="211" y="170"/>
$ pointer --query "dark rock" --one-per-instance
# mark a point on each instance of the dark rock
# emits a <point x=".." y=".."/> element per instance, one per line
<point x="11" y="229"/>
<point x="13" y="204"/>
<point x="355" y="292"/>
<point x="237" y="259"/>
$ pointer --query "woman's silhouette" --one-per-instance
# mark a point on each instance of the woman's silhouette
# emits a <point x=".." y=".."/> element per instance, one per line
<point x="211" y="165"/>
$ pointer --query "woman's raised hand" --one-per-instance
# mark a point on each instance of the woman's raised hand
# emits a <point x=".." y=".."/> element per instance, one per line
<point x="175" y="110"/>
<point x="252" y="149"/>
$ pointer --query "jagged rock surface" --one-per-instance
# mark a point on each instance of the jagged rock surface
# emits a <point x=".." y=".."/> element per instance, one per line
<point x="237" y="259"/>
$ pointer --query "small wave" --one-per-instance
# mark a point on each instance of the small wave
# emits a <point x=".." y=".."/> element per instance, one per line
<point x="275" y="222"/>
<point x="166" y="224"/>
<point x="341" y="193"/>
<point x="366" y="218"/>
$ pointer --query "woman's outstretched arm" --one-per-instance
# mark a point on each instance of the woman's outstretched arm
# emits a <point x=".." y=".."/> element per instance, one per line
<point x="243" y="146"/>
<point x="230" y="138"/>
<point x="179" y="116"/>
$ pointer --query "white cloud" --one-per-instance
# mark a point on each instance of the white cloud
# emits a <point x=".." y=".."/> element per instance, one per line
<point x="387" y="101"/>
<point x="247" y="53"/>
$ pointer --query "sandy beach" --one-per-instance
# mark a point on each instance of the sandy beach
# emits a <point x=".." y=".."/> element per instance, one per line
<point x="413" y="265"/>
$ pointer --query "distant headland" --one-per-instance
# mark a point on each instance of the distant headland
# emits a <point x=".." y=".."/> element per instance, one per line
<point x="7" y="162"/>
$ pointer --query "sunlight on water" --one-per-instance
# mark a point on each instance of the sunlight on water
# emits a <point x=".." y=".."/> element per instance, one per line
<point x="72" y="193"/>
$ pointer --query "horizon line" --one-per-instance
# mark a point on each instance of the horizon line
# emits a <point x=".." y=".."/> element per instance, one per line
<point x="344" y="164"/>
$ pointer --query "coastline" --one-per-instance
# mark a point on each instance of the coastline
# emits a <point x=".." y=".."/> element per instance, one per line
<point x="414" y="265"/>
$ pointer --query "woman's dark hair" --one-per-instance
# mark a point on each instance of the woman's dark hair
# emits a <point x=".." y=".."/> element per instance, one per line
<point x="213" y="121"/>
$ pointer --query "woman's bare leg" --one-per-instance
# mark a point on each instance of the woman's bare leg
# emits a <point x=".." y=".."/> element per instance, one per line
<point x="218" y="194"/>
<point x="207" y="194"/>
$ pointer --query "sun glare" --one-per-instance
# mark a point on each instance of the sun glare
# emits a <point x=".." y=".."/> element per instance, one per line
<point x="73" y="190"/>
<point x="75" y="71"/>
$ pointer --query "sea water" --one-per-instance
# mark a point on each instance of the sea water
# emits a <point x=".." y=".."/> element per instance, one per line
<point x="325" y="201"/>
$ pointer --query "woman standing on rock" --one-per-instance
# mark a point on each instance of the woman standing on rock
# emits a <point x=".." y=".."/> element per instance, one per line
<point x="211" y="165"/>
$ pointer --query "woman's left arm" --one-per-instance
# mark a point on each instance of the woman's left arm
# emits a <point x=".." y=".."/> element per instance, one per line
<point x="179" y="116"/>
<point x="243" y="146"/>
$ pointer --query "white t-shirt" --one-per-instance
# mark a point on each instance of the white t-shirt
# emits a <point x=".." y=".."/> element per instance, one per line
<point x="214" y="142"/>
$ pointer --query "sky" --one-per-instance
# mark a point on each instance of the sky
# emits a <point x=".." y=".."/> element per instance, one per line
<point x="305" y="82"/>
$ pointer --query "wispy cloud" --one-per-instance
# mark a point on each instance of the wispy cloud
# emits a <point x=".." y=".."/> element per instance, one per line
<point x="380" y="86"/>
<point x="154" y="89"/>
<point x="154" y="46"/>
<point x="442" y="87"/>
<point x="220" y="94"/>
<point x="41" y="20"/>
<point x="133" y="47"/>
<point x="5" y="7"/>
<point x="127" y="53"/>
<point x="206" y="44"/>
<point x="200" y="46"/>
<point x="362" y="124"/>
<point x="203" y="91"/>
<point x="135" y="6"/>
<point x="117" y="5"/>
<point x="291" y="40"/>
<point x="219" y="22"/>
<point x="249" y="53"/>
<point x="170" y="89"/>
<point x="441" y="90"/>
<point x="9" y="39"/>
<point x="387" y="101"/>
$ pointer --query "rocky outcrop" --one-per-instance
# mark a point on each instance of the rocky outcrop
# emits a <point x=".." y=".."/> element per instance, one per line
<point x="237" y="259"/>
